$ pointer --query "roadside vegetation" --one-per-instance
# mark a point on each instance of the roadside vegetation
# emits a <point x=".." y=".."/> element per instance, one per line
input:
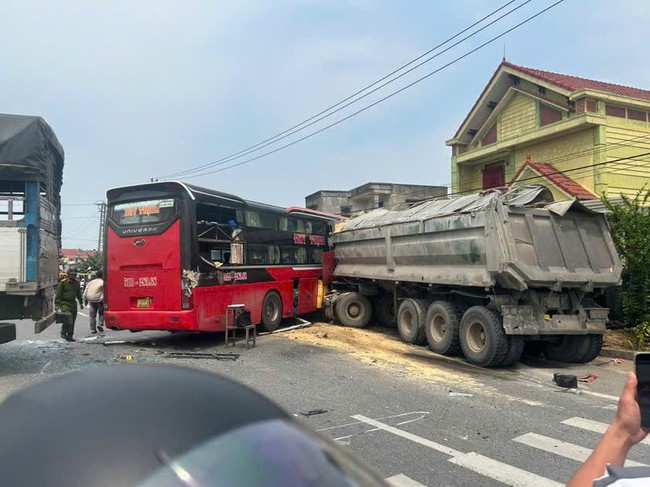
<point x="630" y="228"/>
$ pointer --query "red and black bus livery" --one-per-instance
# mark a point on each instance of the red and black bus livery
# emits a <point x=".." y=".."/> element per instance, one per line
<point x="178" y="254"/>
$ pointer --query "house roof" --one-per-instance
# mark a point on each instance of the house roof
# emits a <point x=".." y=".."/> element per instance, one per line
<point x="72" y="253"/>
<point x="557" y="178"/>
<point x="499" y="84"/>
<point x="575" y="83"/>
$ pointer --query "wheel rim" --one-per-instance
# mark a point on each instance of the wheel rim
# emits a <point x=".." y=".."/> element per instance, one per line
<point x="406" y="322"/>
<point x="438" y="328"/>
<point x="272" y="310"/>
<point x="354" y="310"/>
<point x="476" y="337"/>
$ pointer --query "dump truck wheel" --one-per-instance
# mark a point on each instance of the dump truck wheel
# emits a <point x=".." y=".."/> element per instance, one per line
<point x="589" y="349"/>
<point x="385" y="311"/>
<point x="410" y="321"/>
<point x="568" y="348"/>
<point x="442" y="327"/>
<point x="271" y="311"/>
<point x="354" y="309"/>
<point x="515" y="349"/>
<point x="482" y="338"/>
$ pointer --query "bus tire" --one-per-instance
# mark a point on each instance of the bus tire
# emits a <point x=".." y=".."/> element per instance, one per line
<point x="354" y="310"/>
<point x="271" y="311"/>
<point x="410" y="321"/>
<point x="442" y="328"/>
<point x="385" y="311"/>
<point x="482" y="338"/>
<point x="515" y="350"/>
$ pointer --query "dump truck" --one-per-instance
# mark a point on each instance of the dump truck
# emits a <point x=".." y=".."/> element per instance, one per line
<point x="478" y="275"/>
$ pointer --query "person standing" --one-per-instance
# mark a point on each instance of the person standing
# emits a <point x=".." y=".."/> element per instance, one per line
<point x="68" y="292"/>
<point x="94" y="299"/>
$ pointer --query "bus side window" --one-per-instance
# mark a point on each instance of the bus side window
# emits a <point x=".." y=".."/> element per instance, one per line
<point x="308" y="227"/>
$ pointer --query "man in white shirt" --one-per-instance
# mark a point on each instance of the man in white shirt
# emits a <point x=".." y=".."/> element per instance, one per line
<point x="94" y="298"/>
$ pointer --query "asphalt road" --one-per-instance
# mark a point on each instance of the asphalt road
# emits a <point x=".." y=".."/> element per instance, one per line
<point x="460" y="425"/>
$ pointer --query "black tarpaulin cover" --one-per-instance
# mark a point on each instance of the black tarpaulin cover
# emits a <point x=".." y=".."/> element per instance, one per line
<point x="30" y="151"/>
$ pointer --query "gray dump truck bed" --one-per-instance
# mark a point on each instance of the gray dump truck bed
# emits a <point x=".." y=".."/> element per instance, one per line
<point x="511" y="240"/>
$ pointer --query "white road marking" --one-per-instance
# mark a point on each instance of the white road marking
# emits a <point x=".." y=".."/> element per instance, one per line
<point x="590" y="425"/>
<point x="598" y="394"/>
<point x="486" y="466"/>
<point x="502" y="472"/>
<point x="402" y="480"/>
<point x="562" y="448"/>
<point x="423" y="414"/>
<point x="409" y="436"/>
<point x="83" y="314"/>
<point x="45" y="367"/>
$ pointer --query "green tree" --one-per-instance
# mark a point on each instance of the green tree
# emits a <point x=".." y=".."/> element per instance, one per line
<point x="93" y="262"/>
<point x="630" y="227"/>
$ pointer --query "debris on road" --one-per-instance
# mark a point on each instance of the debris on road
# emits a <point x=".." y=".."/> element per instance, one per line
<point x="588" y="378"/>
<point x="202" y="355"/>
<point x="314" y="412"/>
<point x="566" y="381"/>
<point x="115" y="342"/>
<point x="301" y="324"/>
<point x="460" y="394"/>
<point x="617" y="361"/>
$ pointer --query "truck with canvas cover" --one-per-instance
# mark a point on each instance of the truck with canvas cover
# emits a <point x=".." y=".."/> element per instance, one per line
<point x="479" y="275"/>
<point x="31" y="174"/>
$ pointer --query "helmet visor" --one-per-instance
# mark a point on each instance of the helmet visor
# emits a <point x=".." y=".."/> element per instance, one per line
<point x="276" y="452"/>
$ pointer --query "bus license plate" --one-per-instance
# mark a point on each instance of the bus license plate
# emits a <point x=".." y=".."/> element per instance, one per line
<point x="143" y="303"/>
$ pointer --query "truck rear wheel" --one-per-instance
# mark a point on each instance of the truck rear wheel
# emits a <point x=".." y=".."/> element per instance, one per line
<point x="410" y="321"/>
<point x="354" y="309"/>
<point x="271" y="311"/>
<point x="385" y="311"/>
<point x="482" y="338"/>
<point x="442" y="328"/>
<point x="577" y="349"/>
<point x="515" y="349"/>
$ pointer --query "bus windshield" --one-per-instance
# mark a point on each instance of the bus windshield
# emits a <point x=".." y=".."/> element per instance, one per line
<point x="143" y="212"/>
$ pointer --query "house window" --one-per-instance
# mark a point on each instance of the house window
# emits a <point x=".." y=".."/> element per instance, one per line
<point x="548" y="115"/>
<point x="615" y="111"/>
<point x="494" y="176"/>
<point x="490" y="136"/>
<point x="636" y="115"/>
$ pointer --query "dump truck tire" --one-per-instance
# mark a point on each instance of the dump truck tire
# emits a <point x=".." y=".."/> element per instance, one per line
<point x="410" y="321"/>
<point x="515" y="349"/>
<point x="384" y="311"/>
<point x="442" y="328"/>
<point x="568" y="348"/>
<point x="271" y="311"/>
<point x="354" y="310"/>
<point x="482" y="338"/>
<point x="590" y="348"/>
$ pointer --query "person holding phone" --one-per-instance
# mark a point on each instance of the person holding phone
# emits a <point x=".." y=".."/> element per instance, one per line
<point x="604" y="467"/>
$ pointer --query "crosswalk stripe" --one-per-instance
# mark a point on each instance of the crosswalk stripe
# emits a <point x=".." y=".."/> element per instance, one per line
<point x="561" y="448"/>
<point x="494" y="469"/>
<point x="595" y="426"/>
<point x="502" y="472"/>
<point x="402" y="480"/>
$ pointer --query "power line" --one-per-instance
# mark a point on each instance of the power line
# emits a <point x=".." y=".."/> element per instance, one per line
<point x="381" y="99"/>
<point x="333" y="109"/>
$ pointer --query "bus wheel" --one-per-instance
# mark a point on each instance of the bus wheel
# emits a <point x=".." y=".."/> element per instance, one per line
<point x="442" y="326"/>
<point x="354" y="309"/>
<point x="482" y="338"/>
<point x="271" y="311"/>
<point x="410" y="321"/>
<point x="385" y="311"/>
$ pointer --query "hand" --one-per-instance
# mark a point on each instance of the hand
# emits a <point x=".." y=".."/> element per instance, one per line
<point x="81" y="306"/>
<point x="628" y="415"/>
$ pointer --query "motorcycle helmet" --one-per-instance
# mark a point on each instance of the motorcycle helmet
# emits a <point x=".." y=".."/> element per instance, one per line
<point x="72" y="272"/>
<point x="165" y="426"/>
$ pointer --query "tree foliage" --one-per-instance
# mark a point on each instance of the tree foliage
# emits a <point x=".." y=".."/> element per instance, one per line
<point x="630" y="227"/>
<point x="93" y="262"/>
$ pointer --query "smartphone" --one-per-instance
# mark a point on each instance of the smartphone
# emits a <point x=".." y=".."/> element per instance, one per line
<point x="642" y="361"/>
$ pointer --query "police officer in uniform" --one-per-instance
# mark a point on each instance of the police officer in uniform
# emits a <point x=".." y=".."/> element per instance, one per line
<point x="68" y="293"/>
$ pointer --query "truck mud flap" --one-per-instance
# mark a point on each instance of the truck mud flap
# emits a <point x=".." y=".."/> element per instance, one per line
<point x="43" y="323"/>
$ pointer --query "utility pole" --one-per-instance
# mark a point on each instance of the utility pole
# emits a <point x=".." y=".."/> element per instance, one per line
<point x="101" y="207"/>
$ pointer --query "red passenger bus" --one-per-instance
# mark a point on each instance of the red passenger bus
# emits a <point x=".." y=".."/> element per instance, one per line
<point x="178" y="254"/>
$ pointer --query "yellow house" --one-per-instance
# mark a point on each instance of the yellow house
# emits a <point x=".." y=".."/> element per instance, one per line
<point x="581" y="137"/>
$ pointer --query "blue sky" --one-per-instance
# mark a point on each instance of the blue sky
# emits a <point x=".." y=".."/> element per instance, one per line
<point x="135" y="90"/>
